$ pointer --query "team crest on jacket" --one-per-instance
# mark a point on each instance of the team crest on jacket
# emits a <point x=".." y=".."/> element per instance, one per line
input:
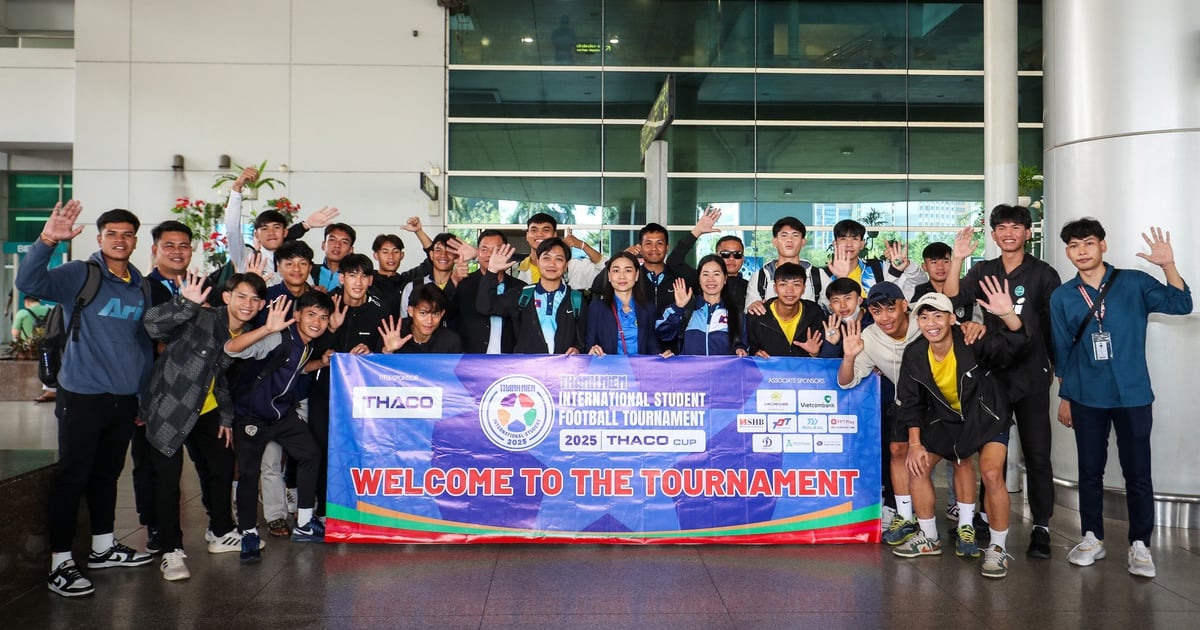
<point x="251" y="430"/>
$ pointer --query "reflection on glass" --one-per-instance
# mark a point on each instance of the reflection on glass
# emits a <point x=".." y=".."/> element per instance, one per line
<point x="710" y="149"/>
<point x="831" y="34"/>
<point x="831" y="97"/>
<point x="1029" y="99"/>
<point x="830" y="150"/>
<point x="514" y="146"/>
<point x="947" y="36"/>
<point x="698" y="95"/>
<point x="1029" y="147"/>
<point x="524" y="94"/>
<point x="949" y="151"/>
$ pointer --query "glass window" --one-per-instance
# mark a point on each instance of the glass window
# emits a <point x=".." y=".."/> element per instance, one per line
<point x="1029" y="147"/>
<point x="1029" y="34"/>
<point x="690" y="33"/>
<point x="831" y="34"/>
<point x="831" y="97"/>
<point x="945" y="151"/>
<point x="622" y="148"/>
<point x="945" y="35"/>
<point x="515" y="146"/>
<point x="527" y="32"/>
<point x="698" y="95"/>
<point x="945" y="98"/>
<point x="522" y="94"/>
<point x="38" y="190"/>
<point x="711" y="149"/>
<point x="830" y="150"/>
<point x="1029" y="99"/>
<point x="687" y="196"/>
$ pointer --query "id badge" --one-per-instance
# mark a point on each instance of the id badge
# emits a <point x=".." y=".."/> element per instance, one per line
<point x="1101" y="346"/>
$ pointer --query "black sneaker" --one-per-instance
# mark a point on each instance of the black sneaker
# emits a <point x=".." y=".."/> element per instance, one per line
<point x="153" y="543"/>
<point x="314" y="531"/>
<point x="119" y="555"/>
<point x="250" y="549"/>
<point x="1039" y="544"/>
<point x="983" y="532"/>
<point x="67" y="581"/>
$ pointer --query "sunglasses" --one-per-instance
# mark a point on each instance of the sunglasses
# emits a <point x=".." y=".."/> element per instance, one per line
<point x="729" y="254"/>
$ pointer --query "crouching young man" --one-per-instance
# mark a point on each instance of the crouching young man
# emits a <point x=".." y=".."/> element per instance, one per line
<point x="188" y="401"/>
<point x="267" y="390"/>
<point x="954" y="406"/>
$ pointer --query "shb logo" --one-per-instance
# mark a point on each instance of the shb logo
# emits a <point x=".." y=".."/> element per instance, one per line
<point x="397" y="402"/>
<point x="516" y="413"/>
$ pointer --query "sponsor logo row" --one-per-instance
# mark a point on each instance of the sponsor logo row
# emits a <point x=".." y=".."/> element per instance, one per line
<point x="796" y="423"/>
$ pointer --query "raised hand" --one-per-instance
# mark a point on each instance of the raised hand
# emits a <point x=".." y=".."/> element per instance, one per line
<point x="853" y="344"/>
<point x="998" y="301"/>
<point x="413" y="224"/>
<point x="61" y="224"/>
<point x="634" y="249"/>
<point x="464" y="250"/>
<point x="708" y="219"/>
<point x="571" y="240"/>
<point x="389" y="331"/>
<point x="322" y="217"/>
<point x="842" y="264"/>
<point x="812" y="344"/>
<point x="965" y="243"/>
<point x="338" y="316"/>
<point x="248" y="174"/>
<point x="500" y="259"/>
<point x="254" y="264"/>
<point x="833" y="328"/>
<point x="897" y="253"/>
<point x="1161" y="252"/>
<point x="191" y="287"/>
<point x="279" y="314"/>
<point x="683" y="294"/>
<point x="459" y="272"/>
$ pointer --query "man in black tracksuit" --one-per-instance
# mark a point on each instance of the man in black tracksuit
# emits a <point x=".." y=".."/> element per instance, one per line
<point x="1030" y="282"/>
<point x="481" y="333"/>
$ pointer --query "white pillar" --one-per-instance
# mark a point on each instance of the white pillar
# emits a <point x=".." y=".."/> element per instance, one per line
<point x="999" y="109"/>
<point x="1122" y="94"/>
<point x="656" y="182"/>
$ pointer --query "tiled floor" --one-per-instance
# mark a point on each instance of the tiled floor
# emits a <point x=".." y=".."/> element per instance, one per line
<point x="587" y="586"/>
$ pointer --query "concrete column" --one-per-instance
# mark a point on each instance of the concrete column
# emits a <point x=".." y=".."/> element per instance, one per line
<point x="1122" y="136"/>
<point x="656" y="182"/>
<point x="999" y="108"/>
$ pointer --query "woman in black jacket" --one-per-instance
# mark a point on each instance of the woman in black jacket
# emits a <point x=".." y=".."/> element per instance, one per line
<point x="622" y="320"/>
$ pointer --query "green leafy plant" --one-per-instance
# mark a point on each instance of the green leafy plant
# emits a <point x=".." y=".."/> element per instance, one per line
<point x="258" y="182"/>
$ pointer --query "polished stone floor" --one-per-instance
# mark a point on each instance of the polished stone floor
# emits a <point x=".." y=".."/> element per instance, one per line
<point x="589" y="586"/>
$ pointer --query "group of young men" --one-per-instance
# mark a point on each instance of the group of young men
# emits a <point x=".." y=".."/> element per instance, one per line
<point x="233" y="367"/>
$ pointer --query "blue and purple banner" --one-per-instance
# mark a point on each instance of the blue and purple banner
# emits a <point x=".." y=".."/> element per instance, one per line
<point x="529" y="448"/>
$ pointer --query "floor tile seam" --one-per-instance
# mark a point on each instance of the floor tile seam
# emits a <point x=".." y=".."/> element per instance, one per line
<point x="487" y="596"/>
<point x="713" y="580"/>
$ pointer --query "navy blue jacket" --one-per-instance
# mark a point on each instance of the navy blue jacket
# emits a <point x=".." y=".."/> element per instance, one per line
<point x="603" y="331"/>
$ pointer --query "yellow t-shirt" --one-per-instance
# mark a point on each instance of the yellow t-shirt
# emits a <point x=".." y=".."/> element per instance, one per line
<point x="789" y="325"/>
<point x="535" y="274"/>
<point x="945" y="374"/>
<point x="856" y="275"/>
<point x="210" y="399"/>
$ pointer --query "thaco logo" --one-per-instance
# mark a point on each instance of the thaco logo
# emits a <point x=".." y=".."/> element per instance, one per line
<point x="397" y="402"/>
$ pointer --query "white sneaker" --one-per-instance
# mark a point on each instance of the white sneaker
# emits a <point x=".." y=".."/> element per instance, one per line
<point x="1087" y="552"/>
<point x="224" y="544"/>
<point x="1139" y="560"/>
<point x="66" y="580"/>
<point x="173" y="567"/>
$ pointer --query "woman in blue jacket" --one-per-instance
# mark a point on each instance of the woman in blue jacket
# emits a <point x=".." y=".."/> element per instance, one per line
<point x="621" y="320"/>
<point x="704" y="326"/>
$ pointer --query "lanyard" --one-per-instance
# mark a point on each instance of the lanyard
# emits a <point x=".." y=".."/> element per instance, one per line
<point x="621" y="328"/>
<point x="1091" y="306"/>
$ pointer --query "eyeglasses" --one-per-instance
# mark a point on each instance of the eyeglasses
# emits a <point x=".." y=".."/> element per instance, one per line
<point x="729" y="254"/>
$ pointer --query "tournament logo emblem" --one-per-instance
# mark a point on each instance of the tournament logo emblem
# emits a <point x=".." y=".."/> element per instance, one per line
<point x="251" y="430"/>
<point x="516" y="413"/>
<point x="1019" y="291"/>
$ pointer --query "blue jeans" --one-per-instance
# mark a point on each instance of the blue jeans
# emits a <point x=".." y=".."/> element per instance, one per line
<point x="1132" y="424"/>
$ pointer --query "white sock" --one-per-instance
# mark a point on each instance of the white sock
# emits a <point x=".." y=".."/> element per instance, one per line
<point x="983" y="515"/>
<point x="929" y="527"/>
<point x="904" y="506"/>
<point x="102" y="542"/>
<point x="252" y="530"/>
<point x="999" y="538"/>
<point x="1044" y="528"/>
<point x="59" y="557"/>
<point x="303" y="516"/>
<point x="966" y="513"/>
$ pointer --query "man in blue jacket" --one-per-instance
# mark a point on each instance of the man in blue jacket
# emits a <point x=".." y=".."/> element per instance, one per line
<point x="1098" y="320"/>
<point x="102" y="371"/>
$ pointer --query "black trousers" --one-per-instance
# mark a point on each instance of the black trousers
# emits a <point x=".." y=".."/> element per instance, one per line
<point x="143" y="476"/>
<point x="1032" y="413"/>
<point x="218" y="464"/>
<point x="93" y="436"/>
<point x="250" y="437"/>
<point x="318" y="424"/>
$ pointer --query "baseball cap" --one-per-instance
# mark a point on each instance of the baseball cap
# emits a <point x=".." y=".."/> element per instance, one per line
<point x="884" y="292"/>
<point x="936" y="301"/>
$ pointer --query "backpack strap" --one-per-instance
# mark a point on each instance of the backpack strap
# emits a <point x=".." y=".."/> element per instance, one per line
<point x="87" y="293"/>
<point x="576" y="301"/>
<point x="877" y="269"/>
<point x="815" y="272"/>
<point x="526" y="295"/>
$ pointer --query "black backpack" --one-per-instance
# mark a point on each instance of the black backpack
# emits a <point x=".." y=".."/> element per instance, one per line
<point x="54" y="341"/>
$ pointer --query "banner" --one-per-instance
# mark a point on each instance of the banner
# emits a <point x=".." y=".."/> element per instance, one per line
<point x="531" y="448"/>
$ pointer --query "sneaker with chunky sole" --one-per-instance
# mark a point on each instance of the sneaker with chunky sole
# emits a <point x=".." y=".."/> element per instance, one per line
<point x="1087" y="552"/>
<point x="1039" y="544"/>
<point x="919" y="545"/>
<point x="119" y="555"/>
<point x="279" y="528"/>
<point x="66" y="580"/>
<point x="314" y="531"/>
<point x="995" y="562"/>
<point x="227" y="543"/>
<point x="900" y="531"/>
<point x="173" y="567"/>
<point x="886" y="516"/>
<point x="1140" y="562"/>
<point x="250" y="549"/>
<point x="965" y="546"/>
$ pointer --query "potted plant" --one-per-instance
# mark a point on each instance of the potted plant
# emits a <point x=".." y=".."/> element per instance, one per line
<point x="250" y="192"/>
